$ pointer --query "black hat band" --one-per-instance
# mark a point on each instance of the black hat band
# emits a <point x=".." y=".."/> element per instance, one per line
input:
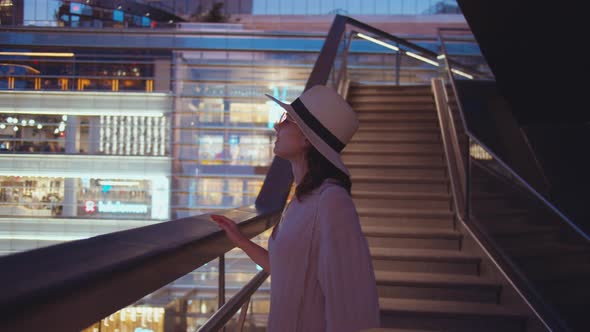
<point x="314" y="124"/>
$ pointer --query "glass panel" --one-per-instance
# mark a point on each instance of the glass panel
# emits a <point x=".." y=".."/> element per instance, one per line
<point x="546" y="250"/>
<point x="243" y="270"/>
<point x="357" y="7"/>
<point x="536" y="240"/>
<point x="225" y="125"/>
<point x="183" y="305"/>
<point x="187" y="303"/>
<point x="463" y="51"/>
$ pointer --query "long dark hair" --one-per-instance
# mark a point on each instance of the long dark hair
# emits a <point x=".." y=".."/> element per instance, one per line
<point x="318" y="170"/>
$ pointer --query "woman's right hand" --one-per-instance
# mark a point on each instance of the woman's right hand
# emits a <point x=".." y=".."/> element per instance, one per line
<point x="231" y="229"/>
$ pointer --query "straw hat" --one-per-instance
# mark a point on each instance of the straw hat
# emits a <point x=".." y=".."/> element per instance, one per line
<point x="326" y="120"/>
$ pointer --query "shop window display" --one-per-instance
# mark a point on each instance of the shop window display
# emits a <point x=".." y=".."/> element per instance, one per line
<point x="31" y="196"/>
<point x="250" y="150"/>
<point x="106" y="198"/>
<point x="32" y="133"/>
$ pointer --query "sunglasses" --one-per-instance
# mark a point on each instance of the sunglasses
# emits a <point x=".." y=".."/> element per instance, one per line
<point x="286" y="117"/>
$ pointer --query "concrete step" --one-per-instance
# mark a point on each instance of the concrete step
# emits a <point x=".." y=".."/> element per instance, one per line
<point x="438" y="172"/>
<point x="572" y="291"/>
<point x="389" y="98"/>
<point x="378" y="90"/>
<point x="429" y="286"/>
<point x="393" y="107"/>
<point x="412" y="238"/>
<point x="422" y="111"/>
<point x="389" y="147"/>
<point x="403" y="218"/>
<point x="424" y="261"/>
<point x="539" y="252"/>
<point x="514" y="235"/>
<point x="398" y="158"/>
<point x="402" y="200"/>
<point x="489" y="215"/>
<point x="542" y="259"/>
<point x="454" y="316"/>
<point x="408" y="184"/>
<point x="499" y="200"/>
<point x="391" y="126"/>
<point x="399" y="129"/>
<point x="562" y="272"/>
<point x="396" y="137"/>
<point x="396" y="116"/>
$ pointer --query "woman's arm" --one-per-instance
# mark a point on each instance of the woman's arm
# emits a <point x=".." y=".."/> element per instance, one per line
<point x="258" y="254"/>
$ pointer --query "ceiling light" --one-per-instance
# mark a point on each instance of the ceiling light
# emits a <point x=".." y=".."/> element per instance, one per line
<point x="421" y="58"/>
<point x="52" y="54"/>
<point x="458" y="72"/>
<point x="376" y="41"/>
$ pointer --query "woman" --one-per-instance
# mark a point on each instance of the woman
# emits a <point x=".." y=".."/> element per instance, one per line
<point x="322" y="274"/>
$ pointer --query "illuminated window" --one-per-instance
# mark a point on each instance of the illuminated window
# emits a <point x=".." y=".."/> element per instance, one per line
<point x="211" y="147"/>
<point x="210" y="110"/>
<point x="250" y="150"/>
<point x="249" y="113"/>
<point x="210" y="191"/>
<point x="31" y="196"/>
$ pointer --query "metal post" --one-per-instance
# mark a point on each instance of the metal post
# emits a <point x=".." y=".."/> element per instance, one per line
<point x="398" y="62"/>
<point x="221" y="284"/>
<point x="468" y="182"/>
<point x="243" y="314"/>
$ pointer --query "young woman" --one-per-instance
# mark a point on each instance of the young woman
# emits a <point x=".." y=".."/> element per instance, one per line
<point x="322" y="273"/>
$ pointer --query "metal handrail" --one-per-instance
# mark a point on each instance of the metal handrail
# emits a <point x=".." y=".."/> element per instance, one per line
<point x="505" y="264"/>
<point x="513" y="275"/>
<point x="104" y="270"/>
<point x="514" y="174"/>
<point x="229" y="309"/>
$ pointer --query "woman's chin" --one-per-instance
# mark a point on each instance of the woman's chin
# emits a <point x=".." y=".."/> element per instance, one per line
<point x="277" y="151"/>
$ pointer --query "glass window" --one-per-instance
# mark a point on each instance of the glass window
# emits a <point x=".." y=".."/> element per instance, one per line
<point x="211" y="148"/>
<point x="250" y="113"/>
<point x="250" y="150"/>
<point x="210" y="191"/>
<point x="210" y="110"/>
<point x="31" y="196"/>
<point x="32" y="133"/>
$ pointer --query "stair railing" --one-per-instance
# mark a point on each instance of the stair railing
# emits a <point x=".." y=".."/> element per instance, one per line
<point x="461" y="161"/>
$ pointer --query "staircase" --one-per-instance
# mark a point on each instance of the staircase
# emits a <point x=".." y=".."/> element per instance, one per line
<point x="425" y="278"/>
